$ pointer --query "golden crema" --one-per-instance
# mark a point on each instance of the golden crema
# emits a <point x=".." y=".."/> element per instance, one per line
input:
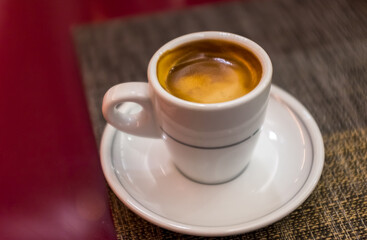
<point x="209" y="71"/>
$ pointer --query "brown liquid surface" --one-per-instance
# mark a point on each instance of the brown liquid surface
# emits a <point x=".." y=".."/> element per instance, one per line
<point x="209" y="71"/>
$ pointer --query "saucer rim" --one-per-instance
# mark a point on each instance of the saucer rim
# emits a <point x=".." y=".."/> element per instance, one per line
<point x="303" y="193"/>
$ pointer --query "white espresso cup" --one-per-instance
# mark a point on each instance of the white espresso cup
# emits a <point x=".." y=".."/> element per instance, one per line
<point x="208" y="143"/>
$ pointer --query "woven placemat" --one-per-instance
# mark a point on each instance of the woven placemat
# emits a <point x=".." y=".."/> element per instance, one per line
<point x="319" y="54"/>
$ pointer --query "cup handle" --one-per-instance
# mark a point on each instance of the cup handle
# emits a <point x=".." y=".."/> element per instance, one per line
<point x="142" y="123"/>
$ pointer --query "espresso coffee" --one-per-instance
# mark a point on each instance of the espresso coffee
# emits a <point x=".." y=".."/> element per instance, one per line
<point x="209" y="71"/>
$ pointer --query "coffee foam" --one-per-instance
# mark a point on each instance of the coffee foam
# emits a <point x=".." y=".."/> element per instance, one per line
<point x="209" y="71"/>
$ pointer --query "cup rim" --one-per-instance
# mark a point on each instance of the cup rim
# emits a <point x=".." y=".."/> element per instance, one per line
<point x="260" y="53"/>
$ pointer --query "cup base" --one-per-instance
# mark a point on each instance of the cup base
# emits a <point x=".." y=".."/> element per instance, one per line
<point x="211" y="166"/>
<point x="213" y="183"/>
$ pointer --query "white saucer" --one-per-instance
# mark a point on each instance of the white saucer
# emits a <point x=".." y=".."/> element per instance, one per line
<point x="286" y="167"/>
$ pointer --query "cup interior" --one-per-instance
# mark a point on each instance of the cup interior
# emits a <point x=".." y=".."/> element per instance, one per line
<point x="212" y="35"/>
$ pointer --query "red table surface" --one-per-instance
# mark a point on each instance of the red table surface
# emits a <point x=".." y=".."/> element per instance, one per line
<point x="51" y="182"/>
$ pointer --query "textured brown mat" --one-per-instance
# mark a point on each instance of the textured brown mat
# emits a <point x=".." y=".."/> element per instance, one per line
<point x="319" y="53"/>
